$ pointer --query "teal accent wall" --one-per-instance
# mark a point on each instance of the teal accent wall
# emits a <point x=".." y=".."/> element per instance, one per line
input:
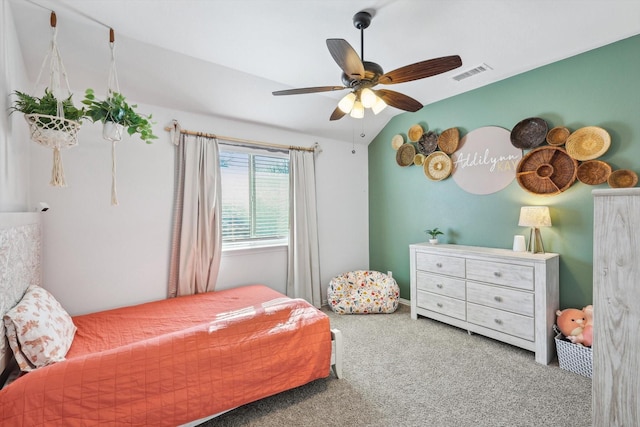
<point x="597" y="88"/>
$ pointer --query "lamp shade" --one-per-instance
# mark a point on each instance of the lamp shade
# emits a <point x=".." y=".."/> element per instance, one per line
<point x="368" y="98"/>
<point x="357" y="112"/>
<point x="346" y="103"/>
<point x="534" y="216"/>
<point x="378" y="106"/>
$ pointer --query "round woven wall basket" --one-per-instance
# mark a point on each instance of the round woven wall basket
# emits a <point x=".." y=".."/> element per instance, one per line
<point x="588" y="143"/>
<point x="405" y="155"/>
<point x="414" y="133"/>
<point x="558" y="136"/>
<point x="448" y="140"/>
<point x="529" y="133"/>
<point x="622" y="178"/>
<point x="593" y="172"/>
<point x="546" y="171"/>
<point x="428" y="143"/>
<point x="437" y="166"/>
<point x="397" y="141"/>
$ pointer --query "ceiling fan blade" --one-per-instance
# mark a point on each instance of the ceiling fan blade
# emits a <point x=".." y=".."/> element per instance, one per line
<point x="346" y="57"/>
<point x="308" y="90"/>
<point x="398" y="100"/>
<point x="420" y="70"/>
<point x="337" y="114"/>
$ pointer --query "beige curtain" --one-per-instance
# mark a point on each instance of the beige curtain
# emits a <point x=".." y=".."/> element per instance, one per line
<point x="303" y="278"/>
<point x="197" y="238"/>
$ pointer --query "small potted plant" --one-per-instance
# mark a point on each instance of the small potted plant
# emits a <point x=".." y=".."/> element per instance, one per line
<point x="48" y="127"/>
<point x="116" y="114"/>
<point x="434" y="233"/>
<point x="53" y="123"/>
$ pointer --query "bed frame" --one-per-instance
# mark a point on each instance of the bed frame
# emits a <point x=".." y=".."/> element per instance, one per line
<point x="20" y="267"/>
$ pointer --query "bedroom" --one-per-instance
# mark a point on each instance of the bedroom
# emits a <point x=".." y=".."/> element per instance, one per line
<point x="396" y="204"/>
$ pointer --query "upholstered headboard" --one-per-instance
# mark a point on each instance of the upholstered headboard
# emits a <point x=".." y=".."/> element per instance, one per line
<point x="20" y="258"/>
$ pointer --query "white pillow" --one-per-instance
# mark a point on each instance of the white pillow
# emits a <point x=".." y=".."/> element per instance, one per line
<point x="39" y="330"/>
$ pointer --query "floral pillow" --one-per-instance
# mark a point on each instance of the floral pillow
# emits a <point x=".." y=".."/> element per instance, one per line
<point x="39" y="330"/>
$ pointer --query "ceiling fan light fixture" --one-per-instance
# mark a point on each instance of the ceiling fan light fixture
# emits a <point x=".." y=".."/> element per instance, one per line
<point x="357" y="112"/>
<point x="346" y="103"/>
<point x="378" y="106"/>
<point x="368" y="98"/>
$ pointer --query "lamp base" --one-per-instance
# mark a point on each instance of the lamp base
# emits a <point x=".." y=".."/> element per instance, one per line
<point x="535" y="241"/>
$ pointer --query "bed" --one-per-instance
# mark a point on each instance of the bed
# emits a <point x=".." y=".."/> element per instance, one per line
<point x="173" y="362"/>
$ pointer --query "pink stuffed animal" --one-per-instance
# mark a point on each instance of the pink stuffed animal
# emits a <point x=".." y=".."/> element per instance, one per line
<point x="577" y="325"/>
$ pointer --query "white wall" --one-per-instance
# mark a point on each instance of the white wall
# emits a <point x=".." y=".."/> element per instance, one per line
<point x="98" y="256"/>
<point x="14" y="159"/>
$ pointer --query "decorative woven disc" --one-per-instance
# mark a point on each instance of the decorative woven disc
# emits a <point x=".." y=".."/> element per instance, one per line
<point x="558" y="136"/>
<point x="448" y="140"/>
<point x="418" y="159"/>
<point x="428" y="143"/>
<point x="414" y="133"/>
<point x="622" y="178"/>
<point x="546" y="171"/>
<point x="588" y="143"/>
<point x="593" y="172"/>
<point x="437" y="166"/>
<point x="397" y="141"/>
<point x="529" y="133"/>
<point x="405" y="155"/>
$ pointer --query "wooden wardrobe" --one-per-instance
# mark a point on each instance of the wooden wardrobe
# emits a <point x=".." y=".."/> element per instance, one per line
<point x="616" y="302"/>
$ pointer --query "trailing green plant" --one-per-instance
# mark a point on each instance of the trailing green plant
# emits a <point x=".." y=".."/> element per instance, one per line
<point x="47" y="105"/>
<point x="116" y="109"/>
<point x="434" y="233"/>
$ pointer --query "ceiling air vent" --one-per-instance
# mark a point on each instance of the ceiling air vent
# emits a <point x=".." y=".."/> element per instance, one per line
<point x="472" y="72"/>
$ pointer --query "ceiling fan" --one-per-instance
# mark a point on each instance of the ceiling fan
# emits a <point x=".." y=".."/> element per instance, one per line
<point x="362" y="76"/>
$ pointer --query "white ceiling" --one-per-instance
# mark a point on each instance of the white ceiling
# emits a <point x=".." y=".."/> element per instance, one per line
<point x="225" y="57"/>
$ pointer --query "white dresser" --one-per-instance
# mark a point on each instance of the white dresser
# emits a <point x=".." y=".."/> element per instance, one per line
<point x="616" y="307"/>
<point x="509" y="296"/>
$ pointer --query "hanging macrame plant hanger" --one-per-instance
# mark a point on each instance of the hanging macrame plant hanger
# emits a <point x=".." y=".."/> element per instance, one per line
<point x="112" y="131"/>
<point x="54" y="132"/>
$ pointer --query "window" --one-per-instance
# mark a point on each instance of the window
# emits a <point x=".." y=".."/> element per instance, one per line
<point x="255" y="197"/>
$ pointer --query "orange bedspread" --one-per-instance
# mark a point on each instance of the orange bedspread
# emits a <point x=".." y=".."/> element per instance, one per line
<point x="174" y="361"/>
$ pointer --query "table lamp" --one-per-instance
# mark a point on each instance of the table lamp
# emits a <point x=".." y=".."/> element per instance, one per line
<point x="535" y="217"/>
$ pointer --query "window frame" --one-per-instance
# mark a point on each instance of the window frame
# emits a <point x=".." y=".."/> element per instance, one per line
<point x="254" y="243"/>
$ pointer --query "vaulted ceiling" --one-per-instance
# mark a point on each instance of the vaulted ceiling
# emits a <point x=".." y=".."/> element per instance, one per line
<point x="225" y="57"/>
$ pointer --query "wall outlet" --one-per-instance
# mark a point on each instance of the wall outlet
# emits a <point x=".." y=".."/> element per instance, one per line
<point x="390" y="273"/>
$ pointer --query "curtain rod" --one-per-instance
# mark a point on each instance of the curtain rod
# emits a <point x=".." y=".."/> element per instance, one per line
<point x="245" y="141"/>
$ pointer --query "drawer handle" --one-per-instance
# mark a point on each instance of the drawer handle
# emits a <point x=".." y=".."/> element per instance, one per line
<point x="497" y="274"/>
<point x="497" y="298"/>
<point x="439" y="286"/>
<point x="439" y="304"/>
<point x="439" y="264"/>
<point x="498" y="321"/>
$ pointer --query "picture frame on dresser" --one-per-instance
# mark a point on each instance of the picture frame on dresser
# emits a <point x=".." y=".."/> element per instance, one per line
<point x="499" y="293"/>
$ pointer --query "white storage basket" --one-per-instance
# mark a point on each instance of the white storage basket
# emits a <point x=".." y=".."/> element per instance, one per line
<point x="573" y="357"/>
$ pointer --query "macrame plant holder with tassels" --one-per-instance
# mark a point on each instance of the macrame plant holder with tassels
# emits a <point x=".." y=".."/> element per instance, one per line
<point x="54" y="132"/>
<point x="112" y="131"/>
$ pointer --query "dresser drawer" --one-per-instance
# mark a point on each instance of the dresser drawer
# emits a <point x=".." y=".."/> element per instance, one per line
<point x="503" y="321"/>
<point x="441" y="264"/>
<point x="520" y="302"/>
<point x="513" y="275"/>
<point x="442" y="285"/>
<point x="451" y="307"/>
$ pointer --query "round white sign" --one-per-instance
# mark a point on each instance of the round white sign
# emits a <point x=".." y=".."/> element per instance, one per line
<point x="485" y="161"/>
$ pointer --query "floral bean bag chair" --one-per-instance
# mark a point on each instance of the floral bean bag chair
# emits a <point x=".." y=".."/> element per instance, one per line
<point x="363" y="292"/>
